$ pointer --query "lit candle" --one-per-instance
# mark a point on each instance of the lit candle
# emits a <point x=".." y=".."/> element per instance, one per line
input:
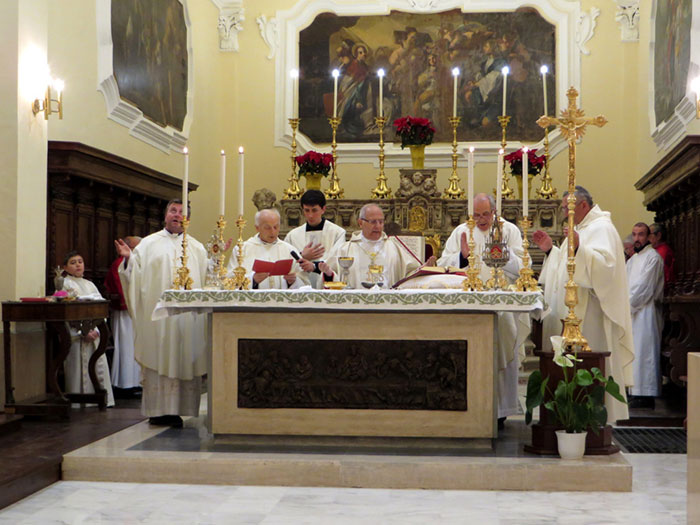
<point x="525" y="181"/>
<point x="499" y="182"/>
<point x="544" y="70"/>
<point x="222" y="184"/>
<point x="380" y="74"/>
<point x="470" y="181"/>
<point x="185" y="181"/>
<point x="240" y="182"/>
<point x="336" y="74"/>
<point x="294" y="73"/>
<point x="505" y="72"/>
<point x="455" y="74"/>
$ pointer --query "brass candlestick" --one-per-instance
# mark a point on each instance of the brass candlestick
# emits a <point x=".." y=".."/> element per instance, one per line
<point x="215" y="250"/>
<point x="239" y="281"/>
<point x="294" y="191"/>
<point x="382" y="191"/>
<point x="335" y="191"/>
<point x="546" y="191"/>
<point x="473" y="282"/>
<point x="453" y="191"/>
<point x="526" y="282"/>
<point x="572" y="125"/>
<point x="506" y="191"/>
<point x="183" y="280"/>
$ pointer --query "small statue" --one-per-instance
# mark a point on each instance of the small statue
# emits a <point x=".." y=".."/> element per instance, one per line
<point x="58" y="278"/>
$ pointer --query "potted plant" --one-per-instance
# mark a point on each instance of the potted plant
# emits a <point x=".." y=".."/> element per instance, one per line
<point x="577" y="402"/>
<point x="314" y="166"/>
<point x="416" y="133"/>
<point x="535" y="163"/>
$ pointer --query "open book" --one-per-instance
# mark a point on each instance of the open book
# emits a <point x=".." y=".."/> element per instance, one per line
<point x="281" y="267"/>
<point x="431" y="270"/>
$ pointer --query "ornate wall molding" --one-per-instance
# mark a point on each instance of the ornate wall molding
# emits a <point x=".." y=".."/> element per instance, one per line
<point x="230" y="23"/>
<point x="586" y="28"/>
<point x="627" y="15"/>
<point x="269" y="33"/>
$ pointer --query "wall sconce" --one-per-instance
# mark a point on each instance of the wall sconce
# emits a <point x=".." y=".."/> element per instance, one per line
<point x="45" y="105"/>
<point x="695" y="86"/>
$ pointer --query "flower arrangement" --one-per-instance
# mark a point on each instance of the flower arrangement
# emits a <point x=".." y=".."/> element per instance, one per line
<point x="578" y="402"/>
<point x="414" y="131"/>
<point x="314" y="162"/>
<point x="535" y="162"/>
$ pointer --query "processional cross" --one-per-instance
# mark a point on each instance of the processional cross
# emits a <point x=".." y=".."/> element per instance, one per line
<point x="572" y="125"/>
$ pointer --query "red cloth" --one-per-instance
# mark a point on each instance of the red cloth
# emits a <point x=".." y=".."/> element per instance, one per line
<point x="666" y="254"/>
<point x="113" y="285"/>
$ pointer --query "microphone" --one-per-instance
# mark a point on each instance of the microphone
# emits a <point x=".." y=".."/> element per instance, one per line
<point x="295" y="255"/>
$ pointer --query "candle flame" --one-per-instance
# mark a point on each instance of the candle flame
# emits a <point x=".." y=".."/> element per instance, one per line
<point x="223" y="152"/>
<point x="544" y="70"/>
<point x="505" y="70"/>
<point x="185" y="150"/>
<point x="240" y="150"/>
<point x="294" y="73"/>
<point x="380" y="72"/>
<point x="695" y="85"/>
<point x="525" y="149"/>
<point x="455" y="71"/>
<point x="500" y="151"/>
<point x="336" y="73"/>
<point x="471" y="149"/>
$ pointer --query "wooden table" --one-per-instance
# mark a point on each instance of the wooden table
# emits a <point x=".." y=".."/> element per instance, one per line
<point x="56" y="316"/>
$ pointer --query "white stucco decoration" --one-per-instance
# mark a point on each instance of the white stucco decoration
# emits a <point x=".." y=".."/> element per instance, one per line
<point x="627" y="15"/>
<point x="422" y="5"/>
<point x="230" y="23"/>
<point x="586" y="28"/>
<point x="268" y="32"/>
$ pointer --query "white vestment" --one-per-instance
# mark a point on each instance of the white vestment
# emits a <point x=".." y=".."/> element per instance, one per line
<point x="171" y="351"/>
<point x="603" y="299"/>
<point x="255" y="248"/>
<point x="645" y="276"/>
<point x="126" y="372"/>
<point x="397" y="262"/>
<point x="328" y="237"/>
<point x="512" y="329"/>
<point x="76" y="364"/>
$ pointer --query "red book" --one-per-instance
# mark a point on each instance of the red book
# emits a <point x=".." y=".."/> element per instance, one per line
<point x="281" y="267"/>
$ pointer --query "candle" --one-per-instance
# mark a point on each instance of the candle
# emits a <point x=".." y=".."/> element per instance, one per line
<point x="499" y="182"/>
<point x="544" y="70"/>
<point x="380" y="74"/>
<point x="505" y="72"/>
<point x="525" y="182"/>
<point x="240" y="182"/>
<point x="455" y="74"/>
<point x="470" y="181"/>
<point x="222" y="184"/>
<point x="185" y="181"/>
<point x="294" y="73"/>
<point x="336" y="74"/>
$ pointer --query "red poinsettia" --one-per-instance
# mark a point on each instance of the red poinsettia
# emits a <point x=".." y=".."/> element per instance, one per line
<point x="314" y="162"/>
<point x="414" y="131"/>
<point x="535" y="162"/>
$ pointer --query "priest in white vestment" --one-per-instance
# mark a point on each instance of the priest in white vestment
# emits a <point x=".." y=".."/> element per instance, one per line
<point x="371" y="246"/>
<point x="512" y="329"/>
<point x="267" y="246"/>
<point x="171" y="351"/>
<point x="603" y="295"/>
<point x="317" y="237"/>
<point x="645" y="276"/>
<point x="82" y="347"/>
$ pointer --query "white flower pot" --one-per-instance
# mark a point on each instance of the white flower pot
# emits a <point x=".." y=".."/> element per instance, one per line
<point x="571" y="446"/>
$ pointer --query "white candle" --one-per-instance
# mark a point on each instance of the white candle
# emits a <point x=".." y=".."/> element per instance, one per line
<point x="544" y="70"/>
<point x="336" y="74"/>
<point x="222" y="184"/>
<point x="294" y="73"/>
<point x="505" y="72"/>
<point x="240" y="182"/>
<point x="455" y="74"/>
<point x="499" y="182"/>
<point x="525" y="182"/>
<point x="470" y="181"/>
<point x="185" y="181"/>
<point x="380" y="74"/>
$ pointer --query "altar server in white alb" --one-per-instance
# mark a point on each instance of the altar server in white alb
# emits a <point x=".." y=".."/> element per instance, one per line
<point x="83" y="345"/>
<point x="603" y="296"/>
<point x="267" y="246"/>
<point x="317" y="238"/>
<point x="369" y="246"/>
<point x="171" y="351"/>
<point x="645" y="276"/>
<point x="512" y="329"/>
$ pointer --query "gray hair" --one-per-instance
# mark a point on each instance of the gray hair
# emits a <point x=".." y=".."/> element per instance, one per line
<point x="581" y="193"/>
<point x="628" y="240"/>
<point x="262" y="212"/>
<point x="490" y="198"/>
<point x="657" y="228"/>
<point x="363" y="211"/>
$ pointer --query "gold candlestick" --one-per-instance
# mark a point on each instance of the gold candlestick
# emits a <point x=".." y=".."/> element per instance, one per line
<point x="183" y="280"/>
<point x="546" y="191"/>
<point x="215" y="250"/>
<point x="382" y="191"/>
<point x="239" y="281"/>
<point x="294" y="191"/>
<point x="506" y="191"/>
<point x="335" y="191"/>
<point x="453" y="191"/>
<point x="473" y="282"/>
<point x="526" y="282"/>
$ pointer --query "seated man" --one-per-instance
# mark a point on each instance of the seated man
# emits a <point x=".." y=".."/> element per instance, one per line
<point x="512" y="329"/>
<point x="266" y="246"/>
<point x="317" y="237"/>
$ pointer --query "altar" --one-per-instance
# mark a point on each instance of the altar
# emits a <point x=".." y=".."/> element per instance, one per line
<point x="403" y="363"/>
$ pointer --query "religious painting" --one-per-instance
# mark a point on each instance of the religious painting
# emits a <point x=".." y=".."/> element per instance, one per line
<point x="671" y="55"/>
<point x="417" y="53"/>
<point x="150" y="58"/>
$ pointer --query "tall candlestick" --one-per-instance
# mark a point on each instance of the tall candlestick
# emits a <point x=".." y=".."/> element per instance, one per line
<point x="505" y="72"/>
<point x="470" y="181"/>
<point x="544" y="70"/>
<point x="336" y="74"/>
<point x="455" y="74"/>
<point x="294" y="73"/>
<point x="499" y="182"/>
<point x="525" y="181"/>
<point x="380" y="74"/>
<point x="240" y="182"/>
<point x="185" y="181"/>
<point x="222" y="184"/>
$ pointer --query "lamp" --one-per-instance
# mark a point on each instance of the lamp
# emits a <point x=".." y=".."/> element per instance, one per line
<point x="695" y="86"/>
<point x="45" y="105"/>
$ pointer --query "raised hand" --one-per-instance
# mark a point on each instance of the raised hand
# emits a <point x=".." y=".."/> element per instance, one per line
<point x="464" y="245"/>
<point x="542" y="240"/>
<point x="123" y="249"/>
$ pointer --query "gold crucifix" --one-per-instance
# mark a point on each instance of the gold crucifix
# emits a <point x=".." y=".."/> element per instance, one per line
<point x="572" y="125"/>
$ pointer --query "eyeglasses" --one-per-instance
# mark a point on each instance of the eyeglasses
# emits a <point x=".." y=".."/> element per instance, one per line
<point x="484" y="215"/>
<point x="373" y="222"/>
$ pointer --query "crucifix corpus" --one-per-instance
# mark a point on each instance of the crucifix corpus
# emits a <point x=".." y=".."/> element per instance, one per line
<point x="572" y="125"/>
